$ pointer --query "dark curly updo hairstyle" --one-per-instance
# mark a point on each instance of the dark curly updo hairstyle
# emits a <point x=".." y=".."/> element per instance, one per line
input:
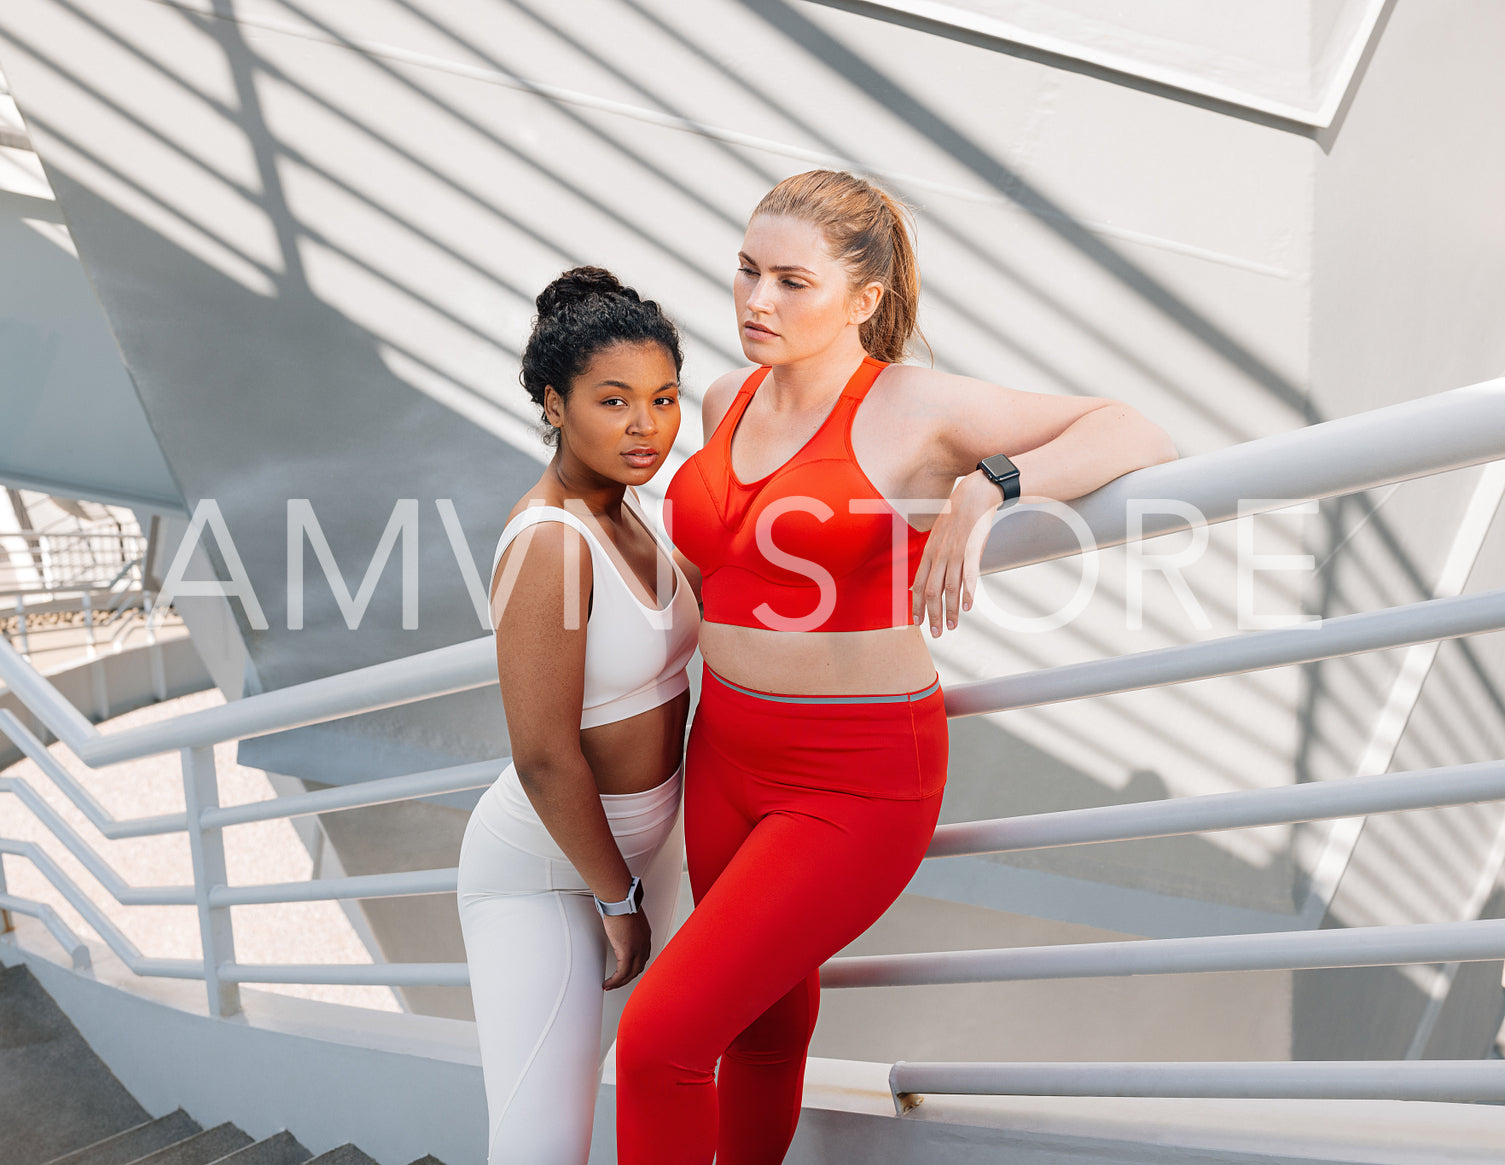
<point x="583" y="311"/>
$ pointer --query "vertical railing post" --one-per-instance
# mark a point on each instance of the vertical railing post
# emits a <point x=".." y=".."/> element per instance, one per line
<point x="21" y="628"/>
<point x="200" y="792"/>
<point x="95" y="664"/>
<point x="154" y="650"/>
<point x="6" y="923"/>
<point x="89" y="626"/>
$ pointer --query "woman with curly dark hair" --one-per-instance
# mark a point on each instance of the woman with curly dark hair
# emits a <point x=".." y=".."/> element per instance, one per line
<point x="575" y="850"/>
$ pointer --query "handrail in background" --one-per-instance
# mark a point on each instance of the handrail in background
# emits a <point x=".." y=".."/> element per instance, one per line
<point x="1401" y="626"/>
<point x="1416" y="438"/>
<point x="1435" y="434"/>
<point x="1477" y="1080"/>
<point x="1283" y="950"/>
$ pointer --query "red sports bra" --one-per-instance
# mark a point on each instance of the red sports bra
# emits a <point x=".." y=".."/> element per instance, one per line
<point x="811" y="547"/>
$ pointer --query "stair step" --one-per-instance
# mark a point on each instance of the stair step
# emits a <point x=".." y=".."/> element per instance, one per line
<point x="55" y="1093"/>
<point x="278" y="1149"/>
<point x="346" y="1154"/>
<point x="200" y="1149"/>
<point x="134" y="1143"/>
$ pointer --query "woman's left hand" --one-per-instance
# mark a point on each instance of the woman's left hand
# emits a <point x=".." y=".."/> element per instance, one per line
<point x="946" y="579"/>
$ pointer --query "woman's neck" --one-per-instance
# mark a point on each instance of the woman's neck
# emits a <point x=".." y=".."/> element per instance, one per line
<point x="575" y="482"/>
<point x="806" y="383"/>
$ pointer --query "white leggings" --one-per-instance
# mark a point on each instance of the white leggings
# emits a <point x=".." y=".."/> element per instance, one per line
<point x="538" y="954"/>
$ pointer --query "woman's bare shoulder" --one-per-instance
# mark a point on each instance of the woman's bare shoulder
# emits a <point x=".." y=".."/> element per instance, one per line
<point x="916" y="378"/>
<point x="913" y="392"/>
<point x="719" y="395"/>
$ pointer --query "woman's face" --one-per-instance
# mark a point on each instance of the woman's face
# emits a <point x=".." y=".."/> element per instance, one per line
<point x="622" y="414"/>
<point x="792" y="295"/>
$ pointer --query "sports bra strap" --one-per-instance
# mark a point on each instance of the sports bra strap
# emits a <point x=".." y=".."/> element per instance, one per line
<point x="531" y="517"/>
<point x="734" y="411"/>
<point x="857" y="387"/>
<point x="852" y="394"/>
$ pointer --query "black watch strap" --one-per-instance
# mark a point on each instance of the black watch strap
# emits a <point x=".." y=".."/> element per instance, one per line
<point x="1003" y="473"/>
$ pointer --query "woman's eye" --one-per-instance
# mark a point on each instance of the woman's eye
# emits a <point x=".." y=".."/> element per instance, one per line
<point x="613" y="400"/>
<point x="668" y="400"/>
<point x="794" y="284"/>
<point x="746" y="271"/>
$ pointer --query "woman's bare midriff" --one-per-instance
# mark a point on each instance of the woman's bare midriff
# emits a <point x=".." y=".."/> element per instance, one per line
<point x="640" y="752"/>
<point x="814" y="663"/>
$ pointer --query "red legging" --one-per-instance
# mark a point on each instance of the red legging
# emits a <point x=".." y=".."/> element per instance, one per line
<point x="803" y="822"/>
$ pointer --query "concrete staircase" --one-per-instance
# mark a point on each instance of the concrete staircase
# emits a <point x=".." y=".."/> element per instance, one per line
<point x="62" y="1105"/>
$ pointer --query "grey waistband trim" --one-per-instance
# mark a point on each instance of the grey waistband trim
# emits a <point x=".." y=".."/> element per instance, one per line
<point x="898" y="698"/>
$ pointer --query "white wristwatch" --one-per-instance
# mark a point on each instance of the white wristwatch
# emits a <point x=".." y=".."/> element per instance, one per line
<point x="629" y="905"/>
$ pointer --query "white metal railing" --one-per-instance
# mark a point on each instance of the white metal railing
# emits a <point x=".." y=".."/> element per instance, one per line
<point x="1416" y="438"/>
<point x="1438" y="433"/>
<point x="1282" y="805"/>
<point x="54" y="584"/>
<point x="1402" y="626"/>
<point x="1290" y="950"/>
<point x="70" y="560"/>
<point x="1315" y="1079"/>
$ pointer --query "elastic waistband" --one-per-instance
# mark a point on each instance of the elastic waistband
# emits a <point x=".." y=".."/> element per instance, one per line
<point x="895" y="698"/>
<point x="620" y="805"/>
<point x="639" y="821"/>
<point x="622" y="809"/>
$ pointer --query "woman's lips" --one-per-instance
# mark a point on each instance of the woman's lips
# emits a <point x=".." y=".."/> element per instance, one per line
<point x="753" y="329"/>
<point x="642" y="458"/>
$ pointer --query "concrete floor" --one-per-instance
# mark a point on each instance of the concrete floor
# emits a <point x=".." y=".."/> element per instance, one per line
<point x="55" y="1093"/>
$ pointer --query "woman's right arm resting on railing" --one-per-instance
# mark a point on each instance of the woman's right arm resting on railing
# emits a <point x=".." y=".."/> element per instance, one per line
<point x="540" y="656"/>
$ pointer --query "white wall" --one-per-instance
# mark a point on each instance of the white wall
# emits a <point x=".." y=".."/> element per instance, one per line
<point x="316" y="230"/>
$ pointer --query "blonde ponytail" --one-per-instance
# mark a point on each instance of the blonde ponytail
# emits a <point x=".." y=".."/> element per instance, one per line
<point x="869" y="230"/>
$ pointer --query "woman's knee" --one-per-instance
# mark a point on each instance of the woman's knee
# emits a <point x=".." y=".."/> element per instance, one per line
<point x="654" y="1045"/>
<point x="640" y="1047"/>
<point x="782" y="1033"/>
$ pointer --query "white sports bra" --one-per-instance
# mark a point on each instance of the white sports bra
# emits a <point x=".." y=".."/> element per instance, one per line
<point x="635" y="655"/>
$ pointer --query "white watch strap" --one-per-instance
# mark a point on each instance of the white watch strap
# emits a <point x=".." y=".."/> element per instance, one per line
<point x="628" y="905"/>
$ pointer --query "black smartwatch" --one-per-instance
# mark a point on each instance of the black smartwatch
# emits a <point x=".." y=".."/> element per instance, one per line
<point x="1003" y="473"/>
<point x="629" y="905"/>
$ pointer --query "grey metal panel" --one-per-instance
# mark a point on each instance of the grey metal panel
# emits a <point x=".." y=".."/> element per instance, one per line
<point x="70" y="423"/>
<point x="319" y="261"/>
<point x="316" y="232"/>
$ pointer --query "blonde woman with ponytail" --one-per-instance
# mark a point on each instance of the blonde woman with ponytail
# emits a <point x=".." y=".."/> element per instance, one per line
<point x="836" y="509"/>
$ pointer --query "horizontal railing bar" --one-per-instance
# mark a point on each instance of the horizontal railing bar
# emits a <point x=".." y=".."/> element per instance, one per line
<point x="99" y="817"/>
<point x="1415" y="438"/>
<point x="353" y="974"/>
<point x="1244" y="808"/>
<point x="124" y="949"/>
<point x="1433" y="434"/>
<point x="166" y="968"/>
<point x="1401" y="626"/>
<point x="43" y="699"/>
<point x="67" y="598"/>
<point x="78" y="950"/>
<point x="119" y="889"/>
<point x="1287" y="950"/>
<point x="397" y="885"/>
<point x="454" y="779"/>
<point x="456" y="668"/>
<point x="1454" y="1080"/>
<point x="109" y="537"/>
